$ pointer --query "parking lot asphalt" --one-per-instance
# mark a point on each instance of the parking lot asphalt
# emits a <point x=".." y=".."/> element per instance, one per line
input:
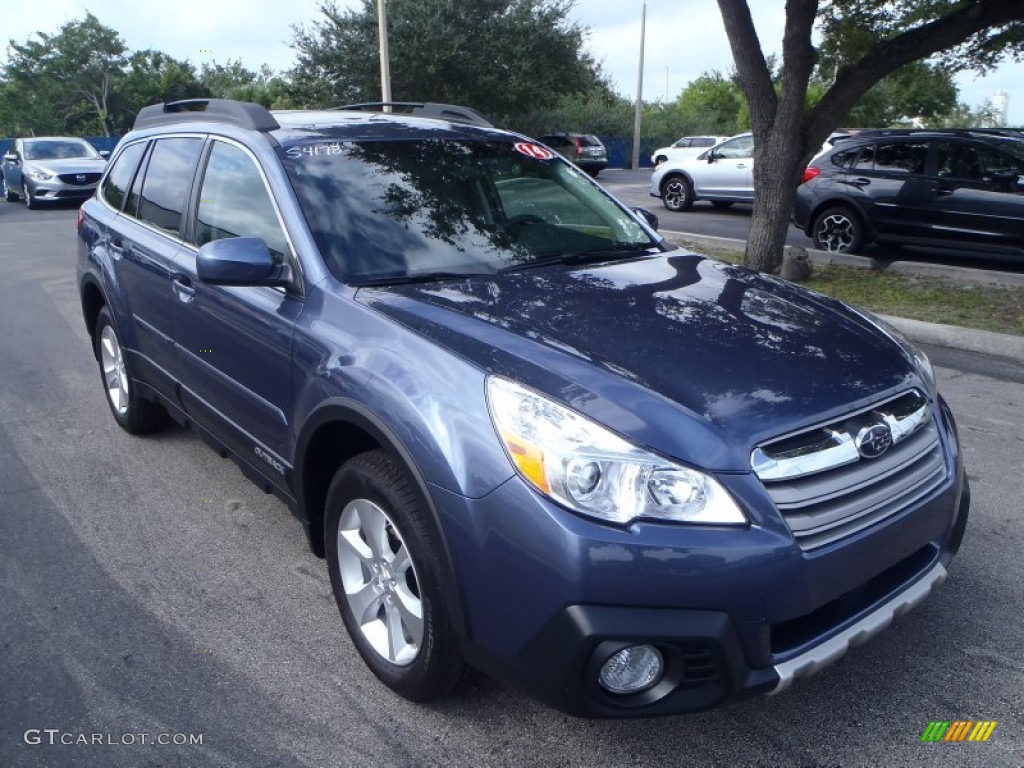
<point x="147" y="588"/>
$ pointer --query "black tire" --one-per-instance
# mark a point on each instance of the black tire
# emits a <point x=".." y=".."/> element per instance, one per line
<point x="133" y="413"/>
<point x="838" y="230"/>
<point x="722" y="203"/>
<point x="11" y="197"/>
<point x="677" y="193"/>
<point x="368" y="488"/>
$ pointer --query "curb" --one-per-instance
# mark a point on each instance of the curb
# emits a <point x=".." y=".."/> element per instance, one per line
<point x="982" y="342"/>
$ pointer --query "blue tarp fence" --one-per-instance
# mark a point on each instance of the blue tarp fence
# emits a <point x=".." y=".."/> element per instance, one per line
<point x="620" y="151"/>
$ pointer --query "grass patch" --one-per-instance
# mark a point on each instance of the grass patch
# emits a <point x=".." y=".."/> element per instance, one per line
<point x="934" y="300"/>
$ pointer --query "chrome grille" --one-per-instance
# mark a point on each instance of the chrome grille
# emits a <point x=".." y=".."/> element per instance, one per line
<point x="826" y="489"/>
<point x="86" y="178"/>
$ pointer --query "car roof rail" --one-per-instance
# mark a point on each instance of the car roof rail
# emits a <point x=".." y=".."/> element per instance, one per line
<point x="241" y="113"/>
<point x="427" y="109"/>
<point x="866" y="133"/>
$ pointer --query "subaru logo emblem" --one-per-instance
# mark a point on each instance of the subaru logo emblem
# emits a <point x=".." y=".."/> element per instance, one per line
<point x="873" y="441"/>
<point x="80" y="178"/>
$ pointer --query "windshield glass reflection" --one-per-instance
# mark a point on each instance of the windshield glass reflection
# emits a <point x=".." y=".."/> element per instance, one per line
<point x="381" y="209"/>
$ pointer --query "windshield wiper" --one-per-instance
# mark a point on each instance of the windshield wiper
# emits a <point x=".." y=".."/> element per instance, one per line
<point x="585" y="257"/>
<point x="416" y="277"/>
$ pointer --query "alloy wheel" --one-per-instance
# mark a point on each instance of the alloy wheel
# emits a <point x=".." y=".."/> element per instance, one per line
<point x="114" y="375"/>
<point x="380" y="582"/>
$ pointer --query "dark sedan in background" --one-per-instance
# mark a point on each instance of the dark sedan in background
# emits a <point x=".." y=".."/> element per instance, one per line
<point x="53" y="168"/>
<point x="954" y="189"/>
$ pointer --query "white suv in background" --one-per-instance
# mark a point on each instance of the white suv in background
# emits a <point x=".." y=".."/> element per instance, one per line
<point x="688" y="146"/>
<point x="723" y="175"/>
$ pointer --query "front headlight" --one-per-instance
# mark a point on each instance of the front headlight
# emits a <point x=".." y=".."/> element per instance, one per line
<point x="590" y="470"/>
<point x="40" y="175"/>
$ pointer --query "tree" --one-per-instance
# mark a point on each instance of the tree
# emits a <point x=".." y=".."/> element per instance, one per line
<point x="150" y="78"/>
<point x="918" y="91"/>
<point x="869" y="40"/>
<point x="67" y="81"/>
<point x="234" y="81"/>
<point x="713" y="102"/>
<point x="502" y="57"/>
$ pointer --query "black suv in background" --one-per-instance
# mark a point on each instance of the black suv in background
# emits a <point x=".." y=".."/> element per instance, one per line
<point x="957" y="189"/>
<point x="581" y="148"/>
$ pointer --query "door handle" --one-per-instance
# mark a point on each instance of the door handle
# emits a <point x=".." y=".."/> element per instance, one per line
<point x="942" y="191"/>
<point x="741" y="165"/>
<point x="860" y="181"/>
<point x="183" y="287"/>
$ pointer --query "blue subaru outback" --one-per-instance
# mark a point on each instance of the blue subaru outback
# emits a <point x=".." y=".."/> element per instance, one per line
<point x="528" y="434"/>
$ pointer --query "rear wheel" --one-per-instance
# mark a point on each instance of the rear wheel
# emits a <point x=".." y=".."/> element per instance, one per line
<point x="133" y="413"/>
<point x="677" y="193"/>
<point x="384" y="561"/>
<point x="838" y="230"/>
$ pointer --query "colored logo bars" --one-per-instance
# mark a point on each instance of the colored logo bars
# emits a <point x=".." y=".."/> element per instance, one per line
<point x="958" y="730"/>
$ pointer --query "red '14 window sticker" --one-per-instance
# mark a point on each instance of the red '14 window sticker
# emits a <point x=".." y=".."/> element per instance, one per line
<point x="533" y="150"/>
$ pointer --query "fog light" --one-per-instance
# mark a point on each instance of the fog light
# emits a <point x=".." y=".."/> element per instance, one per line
<point x="632" y="669"/>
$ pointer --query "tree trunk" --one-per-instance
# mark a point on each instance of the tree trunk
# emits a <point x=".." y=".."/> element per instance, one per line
<point x="777" y="170"/>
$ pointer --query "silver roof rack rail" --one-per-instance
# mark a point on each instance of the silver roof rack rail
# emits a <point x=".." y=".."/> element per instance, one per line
<point x="241" y="113"/>
<point x="425" y="109"/>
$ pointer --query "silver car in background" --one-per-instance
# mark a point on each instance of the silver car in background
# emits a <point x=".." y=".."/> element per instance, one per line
<point x="723" y="175"/>
<point x="51" y="168"/>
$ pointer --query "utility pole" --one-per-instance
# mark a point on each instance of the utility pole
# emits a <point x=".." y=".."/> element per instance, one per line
<point x="385" y="63"/>
<point x="639" y="90"/>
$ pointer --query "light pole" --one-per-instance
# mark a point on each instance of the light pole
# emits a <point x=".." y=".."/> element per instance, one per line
<point x="639" y="90"/>
<point x="385" y="64"/>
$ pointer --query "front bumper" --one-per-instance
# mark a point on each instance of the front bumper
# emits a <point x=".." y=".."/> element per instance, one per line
<point x="549" y="597"/>
<point x="54" y="190"/>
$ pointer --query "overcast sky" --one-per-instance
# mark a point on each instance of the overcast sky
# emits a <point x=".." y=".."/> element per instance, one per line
<point x="683" y="39"/>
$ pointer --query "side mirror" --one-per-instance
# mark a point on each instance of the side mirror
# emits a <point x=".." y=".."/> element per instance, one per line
<point x="11" y="157"/>
<point x="241" y="261"/>
<point x="647" y="216"/>
<point x="104" y="153"/>
<point x="712" y="156"/>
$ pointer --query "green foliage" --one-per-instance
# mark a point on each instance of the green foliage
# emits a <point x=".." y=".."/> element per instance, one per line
<point x="851" y="28"/>
<point x="84" y="81"/>
<point x="918" y="90"/>
<point x="234" y="81"/>
<point x="714" y="104"/>
<point x="505" y="58"/>
<point x="597" y="112"/>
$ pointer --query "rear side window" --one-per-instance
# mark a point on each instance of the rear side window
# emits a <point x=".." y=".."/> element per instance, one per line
<point x="893" y="157"/>
<point x="845" y="159"/>
<point x="234" y="202"/>
<point x="115" y="186"/>
<point x="172" y="166"/>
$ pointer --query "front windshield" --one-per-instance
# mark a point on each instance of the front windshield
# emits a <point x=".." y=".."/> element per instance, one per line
<point x="58" y="149"/>
<point x="399" y="208"/>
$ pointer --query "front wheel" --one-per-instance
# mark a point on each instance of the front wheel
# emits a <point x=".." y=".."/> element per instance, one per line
<point x="677" y="194"/>
<point x="838" y="230"/>
<point x="11" y="197"/>
<point x="384" y="561"/>
<point x="133" y="413"/>
<point x="30" y="201"/>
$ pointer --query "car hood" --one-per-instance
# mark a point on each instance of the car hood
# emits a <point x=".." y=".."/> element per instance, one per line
<point x="693" y="357"/>
<point x="68" y="165"/>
